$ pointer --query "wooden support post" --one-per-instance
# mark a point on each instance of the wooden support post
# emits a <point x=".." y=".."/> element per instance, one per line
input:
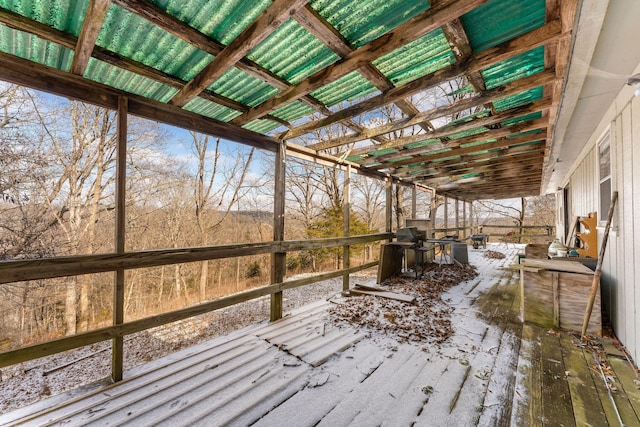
<point x="414" y="201"/>
<point x="278" y="259"/>
<point x="433" y="211"/>
<point x="598" y="273"/>
<point x="446" y="214"/>
<point x="464" y="220"/>
<point x="471" y="217"/>
<point x="457" y="216"/>
<point x="346" y="252"/>
<point x="389" y="205"/>
<point x="117" y="344"/>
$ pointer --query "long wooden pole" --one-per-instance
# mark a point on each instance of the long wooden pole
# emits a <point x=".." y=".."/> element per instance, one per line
<point x="346" y="250"/>
<point x="596" y="277"/>
<point x="278" y="259"/>
<point x="573" y="229"/>
<point x="117" y="353"/>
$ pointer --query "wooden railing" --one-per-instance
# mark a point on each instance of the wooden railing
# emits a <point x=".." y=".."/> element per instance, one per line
<point x="511" y="231"/>
<point x="20" y="270"/>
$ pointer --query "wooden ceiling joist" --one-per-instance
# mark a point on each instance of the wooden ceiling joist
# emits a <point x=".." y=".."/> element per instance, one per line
<point x="535" y="38"/>
<point x="488" y="96"/>
<point x="414" y="28"/>
<point x="499" y="133"/>
<point x="252" y="36"/>
<point x="319" y="27"/>
<point x="94" y="17"/>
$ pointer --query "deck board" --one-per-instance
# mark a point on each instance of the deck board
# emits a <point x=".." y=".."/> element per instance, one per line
<point x="304" y="371"/>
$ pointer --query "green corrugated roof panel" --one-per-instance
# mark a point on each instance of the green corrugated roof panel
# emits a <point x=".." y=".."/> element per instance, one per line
<point x="423" y="56"/>
<point x="500" y="20"/>
<point x="355" y="158"/>
<point x="132" y="36"/>
<point x="514" y="120"/>
<point x="470" y="132"/>
<point x="470" y="175"/>
<point x="348" y="87"/>
<point x="518" y="99"/>
<point x="222" y="20"/>
<point x="382" y="151"/>
<point x="261" y="125"/>
<point x="468" y="118"/>
<point x="64" y="15"/>
<point x="529" y="132"/>
<point x="515" y="68"/>
<point x="399" y="159"/>
<point x="292" y="111"/>
<point x="292" y="53"/>
<point x="240" y="86"/>
<point x="362" y="21"/>
<point x="35" y="49"/>
<point x="211" y="109"/>
<point x="476" y="143"/>
<point x="422" y="143"/>
<point x="125" y="80"/>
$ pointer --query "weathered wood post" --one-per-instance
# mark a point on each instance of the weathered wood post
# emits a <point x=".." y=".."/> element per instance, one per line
<point x="117" y="349"/>
<point x="414" y="201"/>
<point x="346" y="250"/>
<point x="389" y="205"/>
<point x="278" y="259"/>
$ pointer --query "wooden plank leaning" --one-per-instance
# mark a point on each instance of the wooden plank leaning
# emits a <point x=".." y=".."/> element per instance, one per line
<point x="598" y="273"/>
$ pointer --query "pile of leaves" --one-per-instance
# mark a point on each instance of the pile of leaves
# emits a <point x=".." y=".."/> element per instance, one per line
<point x="494" y="255"/>
<point x="427" y="321"/>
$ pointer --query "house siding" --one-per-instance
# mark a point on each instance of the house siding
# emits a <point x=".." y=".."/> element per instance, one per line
<point x="620" y="281"/>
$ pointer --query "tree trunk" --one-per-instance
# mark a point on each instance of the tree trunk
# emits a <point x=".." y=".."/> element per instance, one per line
<point x="204" y="274"/>
<point x="70" y="306"/>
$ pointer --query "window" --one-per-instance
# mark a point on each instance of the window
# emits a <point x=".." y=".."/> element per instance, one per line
<point x="604" y="174"/>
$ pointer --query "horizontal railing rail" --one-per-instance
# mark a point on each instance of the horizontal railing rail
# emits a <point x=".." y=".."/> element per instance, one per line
<point x="20" y="270"/>
<point x="48" y="268"/>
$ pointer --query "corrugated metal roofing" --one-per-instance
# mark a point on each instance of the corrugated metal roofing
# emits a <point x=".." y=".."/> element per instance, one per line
<point x="363" y="21"/>
<point x="423" y="56"/>
<point x="500" y="20"/>
<point x="307" y="55"/>
<point x="35" y="49"/>
<point x="222" y="20"/>
<point x="292" y="53"/>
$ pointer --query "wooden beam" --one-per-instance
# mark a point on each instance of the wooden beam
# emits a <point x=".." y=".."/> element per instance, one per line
<point x="448" y="131"/>
<point x="313" y="22"/>
<point x="69" y="41"/>
<point x="526" y="126"/>
<point x="502" y="143"/>
<point x="414" y="28"/>
<point x="117" y="344"/>
<point x="162" y="19"/>
<point x="346" y="229"/>
<point x="37" y="76"/>
<point x="278" y="259"/>
<point x="67" y="343"/>
<point x="489" y="96"/>
<point x="93" y="19"/>
<point x="503" y="163"/>
<point x="253" y="35"/>
<point x="538" y="37"/>
<point x="409" y="171"/>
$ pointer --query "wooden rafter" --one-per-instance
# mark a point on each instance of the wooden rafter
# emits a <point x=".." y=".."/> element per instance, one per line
<point x="414" y="28"/>
<point x="313" y="22"/>
<point x="537" y="37"/>
<point x="489" y="96"/>
<point x="473" y="159"/>
<point x="94" y="17"/>
<point x="526" y="126"/>
<point x="473" y="124"/>
<point x="252" y="36"/>
<point x="459" y="151"/>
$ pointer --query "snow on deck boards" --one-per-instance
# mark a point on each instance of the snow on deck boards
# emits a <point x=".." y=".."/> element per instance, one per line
<point x="303" y="370"/>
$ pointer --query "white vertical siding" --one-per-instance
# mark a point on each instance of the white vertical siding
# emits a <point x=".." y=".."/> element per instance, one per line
<point x="621" y="267"/>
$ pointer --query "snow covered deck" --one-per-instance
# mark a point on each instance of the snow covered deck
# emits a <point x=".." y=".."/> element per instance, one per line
<point x="304" y="370"/>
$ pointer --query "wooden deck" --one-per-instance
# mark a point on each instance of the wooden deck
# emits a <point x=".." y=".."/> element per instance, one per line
<point x="304" y="371"/>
